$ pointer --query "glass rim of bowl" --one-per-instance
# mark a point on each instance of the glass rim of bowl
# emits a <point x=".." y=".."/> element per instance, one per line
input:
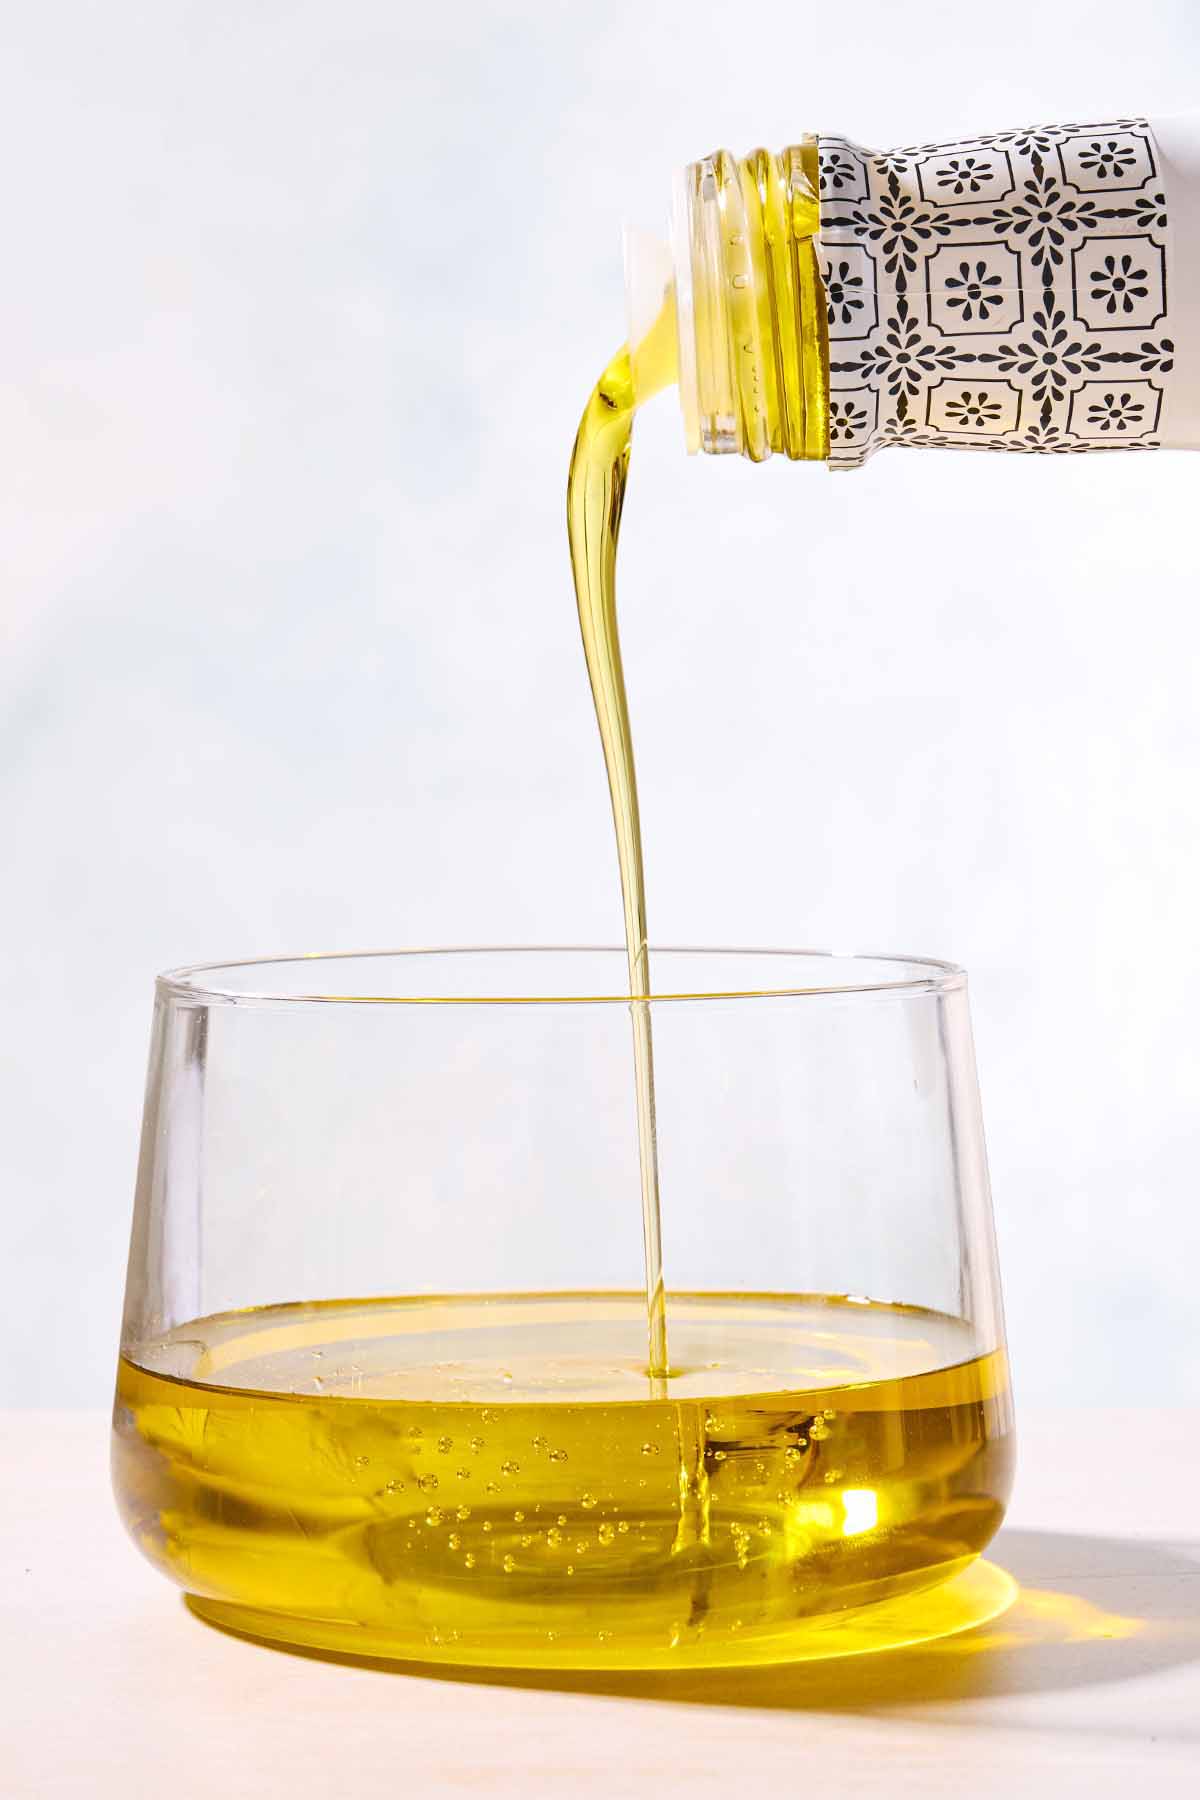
<point x="199" y="983"/>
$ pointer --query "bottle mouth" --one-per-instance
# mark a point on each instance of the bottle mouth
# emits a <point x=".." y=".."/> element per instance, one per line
<point x="685" y="310"/>
<point x="650" y="303"/>
<point x="753" y="351"/>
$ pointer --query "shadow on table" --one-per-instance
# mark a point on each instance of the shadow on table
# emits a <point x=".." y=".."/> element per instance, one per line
<point x="1089" y="1610"/>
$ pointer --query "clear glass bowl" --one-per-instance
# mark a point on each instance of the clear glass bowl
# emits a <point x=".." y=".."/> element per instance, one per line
<point x="383" y="1384"/>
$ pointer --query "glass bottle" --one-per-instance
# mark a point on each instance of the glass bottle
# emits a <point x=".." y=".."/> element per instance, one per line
<point x="1028" y="290"/>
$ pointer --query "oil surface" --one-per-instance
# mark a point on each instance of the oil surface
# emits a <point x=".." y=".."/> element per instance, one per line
<point x="496" y="1479"/>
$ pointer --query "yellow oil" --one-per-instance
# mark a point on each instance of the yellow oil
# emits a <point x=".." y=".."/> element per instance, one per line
<point x="496" y="1480"/>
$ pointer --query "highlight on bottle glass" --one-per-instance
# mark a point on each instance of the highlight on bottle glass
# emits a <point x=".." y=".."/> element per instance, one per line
<point x="389" y="1381"/>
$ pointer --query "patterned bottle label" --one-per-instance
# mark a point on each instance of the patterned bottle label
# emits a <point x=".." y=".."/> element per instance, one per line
<point x="1006" y="292"/>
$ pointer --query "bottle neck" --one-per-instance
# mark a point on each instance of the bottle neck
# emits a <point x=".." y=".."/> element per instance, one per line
<point x="753" y="343"/>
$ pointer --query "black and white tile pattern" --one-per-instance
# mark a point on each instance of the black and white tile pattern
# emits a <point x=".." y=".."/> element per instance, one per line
<point x="1006" y="292"/>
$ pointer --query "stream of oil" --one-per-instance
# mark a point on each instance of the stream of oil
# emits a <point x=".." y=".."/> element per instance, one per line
<point x="595" y="497"/>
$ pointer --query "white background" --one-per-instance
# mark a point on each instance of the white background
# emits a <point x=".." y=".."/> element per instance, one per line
<point x="300" y="305"/>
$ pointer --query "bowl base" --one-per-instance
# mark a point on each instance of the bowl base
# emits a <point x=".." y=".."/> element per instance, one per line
<point x="974" y="1596"/>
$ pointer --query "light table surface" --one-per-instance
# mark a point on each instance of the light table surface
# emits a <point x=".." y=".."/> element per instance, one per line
<point x="1089" y="1685"/>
